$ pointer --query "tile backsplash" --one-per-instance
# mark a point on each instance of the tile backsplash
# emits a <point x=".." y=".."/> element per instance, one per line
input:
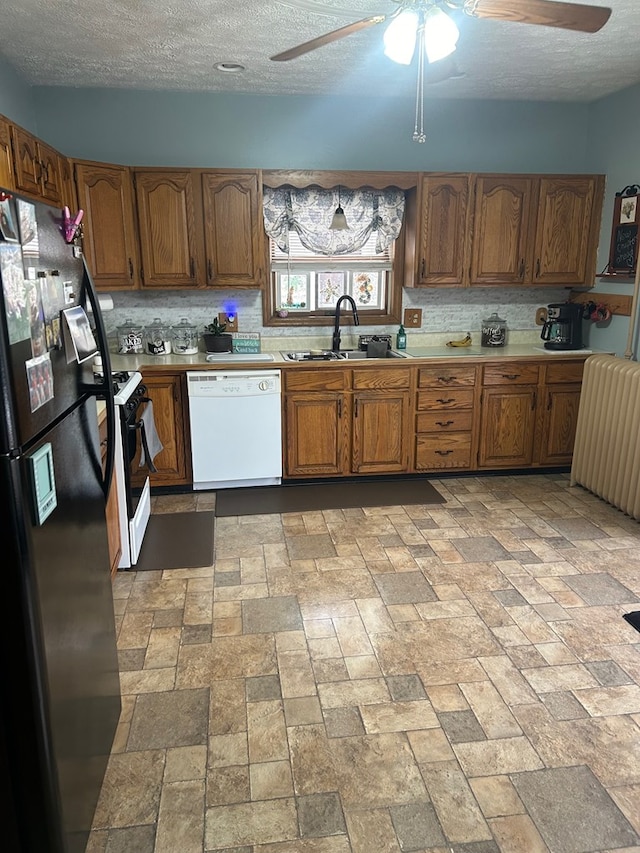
<point x="443" y="310"/>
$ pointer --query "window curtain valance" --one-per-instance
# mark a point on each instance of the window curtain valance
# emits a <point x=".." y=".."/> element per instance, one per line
<point x="309" y="212"/>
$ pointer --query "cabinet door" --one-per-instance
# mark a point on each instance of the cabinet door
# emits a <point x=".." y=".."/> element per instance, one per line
<point x="7" y="179"/>
<point x="443" y="230"/>
<point x="507" y="427"/>
<point x="105" y="194"/>
<point x="169" y="413"/>
<point x="51" y="177"/>
<point x="68" y="184"/>
<point x="501" y="230"/>
<point x="316" y="438"/>
<point x="26" y="161"/>
<point x="234" y="241"/>
<point x="380" y="432"/>
<point x="168" y="240"/>
<point x="563" y="235"/>
<point x="559" y="419"/>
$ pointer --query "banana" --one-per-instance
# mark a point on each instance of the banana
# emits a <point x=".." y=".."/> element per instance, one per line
<point x="461" y="342"/>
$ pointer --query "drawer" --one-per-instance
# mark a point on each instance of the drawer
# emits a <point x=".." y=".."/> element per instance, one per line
<point x="315" y="380"/>
<point x="447" y="398"/>
<point x="446" y="377"/>
<point x="568" y="372"/>
<point x="450" y="450"/>
<point x="388" y="377"/>
<point x="450" y="421"/>
<point x="511" y="374"/>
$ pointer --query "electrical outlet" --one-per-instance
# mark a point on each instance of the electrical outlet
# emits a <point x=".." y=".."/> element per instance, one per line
<point x="541" y="316"/>
<point x="232" y="325"/>
<point x="412" y="318"/>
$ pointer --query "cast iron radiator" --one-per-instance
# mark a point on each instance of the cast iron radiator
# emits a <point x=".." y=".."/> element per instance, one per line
<point x="606" y="456"/>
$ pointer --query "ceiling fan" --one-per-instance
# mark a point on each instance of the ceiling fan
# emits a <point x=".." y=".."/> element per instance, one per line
<point x="429" y="15"/>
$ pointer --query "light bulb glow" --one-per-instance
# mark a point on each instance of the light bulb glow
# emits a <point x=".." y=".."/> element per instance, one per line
<point x="400" y="37"/>
<point x="440" y="34"/>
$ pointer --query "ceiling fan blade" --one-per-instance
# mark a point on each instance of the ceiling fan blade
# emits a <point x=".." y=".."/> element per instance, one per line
<point x="568" y="16"/>
<point x="327" y="38"/>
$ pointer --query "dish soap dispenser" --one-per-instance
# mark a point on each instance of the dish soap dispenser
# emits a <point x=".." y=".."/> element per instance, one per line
<point x="401" y="338"/>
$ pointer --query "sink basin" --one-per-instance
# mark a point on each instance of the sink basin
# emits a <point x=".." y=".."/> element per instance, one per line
<point x="343" y="355"/>
<point x="358" y="354"/>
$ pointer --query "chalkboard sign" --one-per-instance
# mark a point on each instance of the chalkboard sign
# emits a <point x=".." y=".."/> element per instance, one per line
<point x="624" y="247"/>
<point x="623" y="251"/>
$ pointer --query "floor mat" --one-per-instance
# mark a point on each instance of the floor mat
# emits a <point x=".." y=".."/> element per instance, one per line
<point x="633" y="619"/>
<point x="305" y="497"/>
<point x="178" y="540"/>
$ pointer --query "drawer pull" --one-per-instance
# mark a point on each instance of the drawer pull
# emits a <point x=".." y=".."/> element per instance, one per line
<point x="446" y="378"/>
<point x="510" y="375"/>
<point x="444" y="401"/>
<point x="444" y="423"/>
<point x="444" y="452"/>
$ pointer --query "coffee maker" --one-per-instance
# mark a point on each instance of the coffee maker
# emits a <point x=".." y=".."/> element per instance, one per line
<point x="563" y="326"/>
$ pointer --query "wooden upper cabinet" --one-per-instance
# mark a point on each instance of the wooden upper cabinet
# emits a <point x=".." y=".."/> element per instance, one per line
<point x="109" y="235"/>
<point x="501" y="230"/>
<point x="442" y="238"/>
<point x="169" y="244"/>
<point x="568" y="221"/>
<point x="36" y="167"/>
<point x="234" y="234"/>
<point x="7" y="179"/>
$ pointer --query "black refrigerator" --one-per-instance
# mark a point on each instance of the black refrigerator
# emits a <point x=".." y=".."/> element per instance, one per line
<point x="61" y="691"/>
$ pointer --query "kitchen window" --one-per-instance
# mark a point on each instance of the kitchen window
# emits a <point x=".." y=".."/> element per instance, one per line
<point x="312" y="265"/>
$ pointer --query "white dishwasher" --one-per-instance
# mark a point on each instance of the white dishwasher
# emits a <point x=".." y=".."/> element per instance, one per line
<point x="236" y="428"/>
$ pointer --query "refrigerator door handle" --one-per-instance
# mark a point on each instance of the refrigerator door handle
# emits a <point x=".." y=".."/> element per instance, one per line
<point x="106" y="389"/>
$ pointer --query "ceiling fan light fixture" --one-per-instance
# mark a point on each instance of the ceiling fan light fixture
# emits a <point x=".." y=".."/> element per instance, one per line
<point x="400" y="37"/>
<point x="440" y="34"/>
<point x="339" y="221"/>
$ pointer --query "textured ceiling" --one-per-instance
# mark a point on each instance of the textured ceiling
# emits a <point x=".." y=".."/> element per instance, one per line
<point x="176" y="44"/>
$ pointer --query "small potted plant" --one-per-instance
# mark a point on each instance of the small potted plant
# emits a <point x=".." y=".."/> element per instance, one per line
<point x="216" y="339"/>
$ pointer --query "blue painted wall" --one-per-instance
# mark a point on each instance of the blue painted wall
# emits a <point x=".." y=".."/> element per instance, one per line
<point x="614" y="149"/>
<point x="16" y="98"/>
<point x="278" y="132"/>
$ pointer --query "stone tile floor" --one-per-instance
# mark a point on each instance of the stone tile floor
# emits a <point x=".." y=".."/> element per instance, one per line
<point x="440" y="678"/>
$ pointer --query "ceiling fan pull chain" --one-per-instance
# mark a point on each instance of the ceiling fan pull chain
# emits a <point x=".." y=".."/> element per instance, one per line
<point x="418" y="131"/>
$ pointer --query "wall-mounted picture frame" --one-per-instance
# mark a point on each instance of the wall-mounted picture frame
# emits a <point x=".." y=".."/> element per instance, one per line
<point x="8" y="229"/>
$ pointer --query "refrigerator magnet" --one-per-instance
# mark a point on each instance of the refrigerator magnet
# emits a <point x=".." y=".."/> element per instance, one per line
<point x="40" y="381"/>
<point x="78" y="337"/>
<point x="8" y="228"/>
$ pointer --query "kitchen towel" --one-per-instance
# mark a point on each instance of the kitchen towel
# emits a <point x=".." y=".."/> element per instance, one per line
<point x="150" y="440"/>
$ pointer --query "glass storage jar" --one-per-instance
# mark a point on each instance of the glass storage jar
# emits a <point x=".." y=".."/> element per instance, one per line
<point x="130" y="336"/>
<point x="494" y="331"/>
<point x="158" y="338"/>
<point x="185" y="337"/>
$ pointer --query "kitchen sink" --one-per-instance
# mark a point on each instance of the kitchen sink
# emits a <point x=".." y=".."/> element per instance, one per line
<point x="358" y="354"/>
<point x="343" y="355"/>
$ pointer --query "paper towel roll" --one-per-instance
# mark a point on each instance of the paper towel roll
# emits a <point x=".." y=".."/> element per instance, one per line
<point x="105" y="302"/>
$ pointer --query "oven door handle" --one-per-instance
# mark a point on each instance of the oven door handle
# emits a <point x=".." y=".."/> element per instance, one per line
<point x="139" y="425"/>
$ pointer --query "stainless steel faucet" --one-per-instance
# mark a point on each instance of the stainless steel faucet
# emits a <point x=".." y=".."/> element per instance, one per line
<point x="335" y="346"/>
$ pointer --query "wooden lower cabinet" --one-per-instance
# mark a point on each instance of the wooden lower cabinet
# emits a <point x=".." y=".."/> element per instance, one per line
<point x="559" y="412"/>
<point x="445" y="434"/>
<point x="316" y="428"/>
<point x="379" y="432"/>
<point x="529" y="414"/>
<point x="167" y="391"/>
<point x="112" y="506"/>
<point x="340" y="422"/>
